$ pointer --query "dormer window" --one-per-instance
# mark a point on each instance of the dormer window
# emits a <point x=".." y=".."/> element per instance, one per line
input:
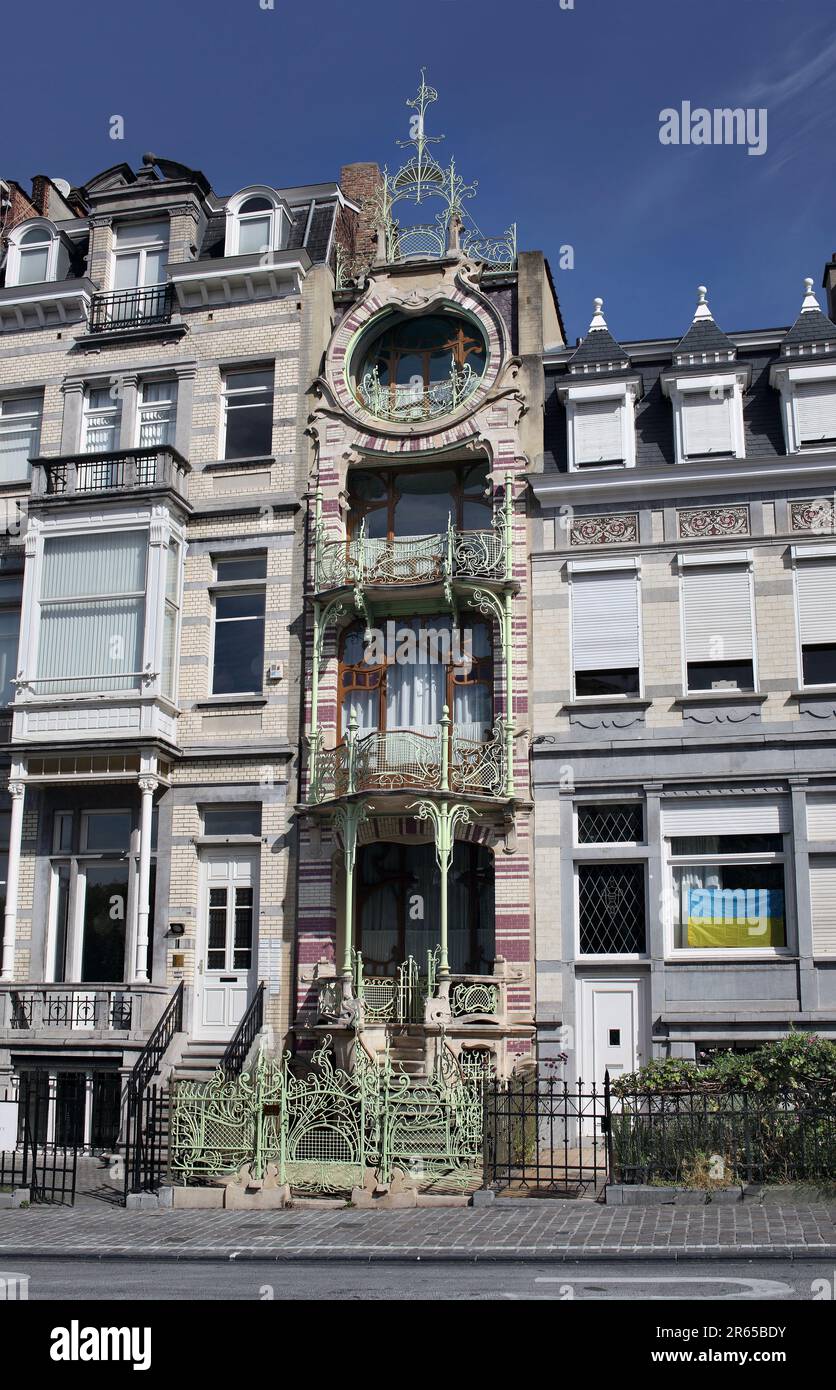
<point x="706" y="386"/>
<point x="36" y="254"/>
<point x="805" y="376"/>
<point x="257" y="222"/>
<point x="599" y="394"/>
<point x="815" y="411"/>
<point x="140" y="253"/>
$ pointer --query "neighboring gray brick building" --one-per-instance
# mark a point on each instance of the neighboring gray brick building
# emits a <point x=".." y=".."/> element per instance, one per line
<point x="684" y="684"/>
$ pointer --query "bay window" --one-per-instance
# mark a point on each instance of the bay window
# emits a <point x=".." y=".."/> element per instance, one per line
<point x="717" y="621"/>
<point x="20" y="432"/>
<point x="606" y="629"/>
<point x="92" y="612"/>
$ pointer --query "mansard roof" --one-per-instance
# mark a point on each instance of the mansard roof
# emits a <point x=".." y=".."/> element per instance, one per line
<point x="598" y="351"/>
<point x="813" y="332"/>
<point x="704" y="340"/>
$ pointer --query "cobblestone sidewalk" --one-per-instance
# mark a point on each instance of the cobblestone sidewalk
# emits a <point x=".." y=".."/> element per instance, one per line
<point x="550" y="1230"/>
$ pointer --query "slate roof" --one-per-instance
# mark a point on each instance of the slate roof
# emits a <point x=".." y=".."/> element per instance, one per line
<point x="598" y="349"/>
<point x="704" y="337"/>
<point x="811" y="327"/>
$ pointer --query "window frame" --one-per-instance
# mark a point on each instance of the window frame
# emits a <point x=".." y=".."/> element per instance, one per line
<point x="785" y="379"/>
<point x="7" y="429"/>
<point x="279" y="213"/>
<point x="77" y="859"/>
<point x="612" y="565"/>
<point x="637" y="862"/>
<point x="670" y="862"/>
<point x="575" y="394"/>
<point x="143" y="407"/>
<point x="732" y="559"/>
<point x="140" y="249"/>
<point x="242" y="587"/>
<point x="680" y="387"/>
<point x="88" y="412"/>
<point x="228" y="392"/>
<point x="360" y="508"/>
<point x="56" y="262"/>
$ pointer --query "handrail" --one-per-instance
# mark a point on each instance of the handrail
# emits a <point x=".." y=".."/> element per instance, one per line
<point x="148" y="1062"/>
<point x="232" y="1062"/>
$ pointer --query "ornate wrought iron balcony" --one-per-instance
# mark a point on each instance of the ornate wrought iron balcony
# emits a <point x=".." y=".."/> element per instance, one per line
<point x="404" y="404"/>
<point x="366" y="562"/>
<point x="70" y="1008"/>
<point x="144" y="307"/>
<point x="403" y="996"/>
<point x="405" y="760"/>
<point x="121" y="471"/>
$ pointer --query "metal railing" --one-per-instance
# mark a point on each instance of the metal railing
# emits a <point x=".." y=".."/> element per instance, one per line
<point x="121" y="470"/>
<point x="451" y="554"/>
<point x="711" y="1138"/>
<point x="232" y="1062"/>
<point x="148" y="1062"/>
<point x="403" y="760"/>
<point x="81" y="1007"/>
<point x="403" y="404"/>
<point x="542" y="1134"/>
<point x="143" y="307"/>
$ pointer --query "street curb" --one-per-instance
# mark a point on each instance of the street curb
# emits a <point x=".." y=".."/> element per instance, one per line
<point x="431" y="1255"/>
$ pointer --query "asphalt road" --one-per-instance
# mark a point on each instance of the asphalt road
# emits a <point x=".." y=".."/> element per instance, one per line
<point x="338" y="1281"/>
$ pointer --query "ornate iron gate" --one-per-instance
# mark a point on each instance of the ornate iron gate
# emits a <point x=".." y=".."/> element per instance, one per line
<point x="544" y="1135"/>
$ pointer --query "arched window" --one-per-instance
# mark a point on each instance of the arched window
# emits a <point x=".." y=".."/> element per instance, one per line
<point x="416" y="368"/>
<point x="33" y="253"/>
<point x="257" y="221"/>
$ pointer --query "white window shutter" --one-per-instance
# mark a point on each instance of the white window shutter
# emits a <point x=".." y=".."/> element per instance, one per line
<point x="706" y="424"/>
<point x="821" y="816"/>
<point x="823" y="899"/>
<point x="718" y="614"/>
<point x="816" y="410"/>
<point x="605" y="621"/>
<point x="727" y="815"/>
<point x="599" y="433"/>
<point x="816" y="581"/>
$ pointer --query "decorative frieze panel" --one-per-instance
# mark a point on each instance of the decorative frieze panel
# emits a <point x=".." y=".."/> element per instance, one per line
<point x="614" y="528"/>
<point x="695" y="523"/>
<point x="816" y="515"/>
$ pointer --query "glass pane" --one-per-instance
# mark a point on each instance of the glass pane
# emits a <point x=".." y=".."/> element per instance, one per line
<point x="249" y="381"/>
<point x="241" y="567"/>
<point x="253" y="235"/>
<point x="126" y="271"/>
<point x="138" y="233"/>
<point x="169" y="653"/>
<point x="104" y="563"/>
<point x="249" y="428"/>
<point x="18" y="443"/>
<point x="233" y="605"/>
<point x="98" y="643"/>
<point x="61" y="888"/>
<point x="610" y="823"/>
<point x="155" y="262"/>
<point x="731" y="906"/>
<point x="216" y="947"/>
<point x="108" y="830"/>
<point x="257" y="203"/>
<point x="33" y="266"/>
<point x="243" y="928"/>
<point x="105" y="912"/>
<point x="9" y="633"/>
<point x="232" y="820"/>
<point x="611" y="909"/>
<point x="36" y="236"/>
<point x="239" y="657"/>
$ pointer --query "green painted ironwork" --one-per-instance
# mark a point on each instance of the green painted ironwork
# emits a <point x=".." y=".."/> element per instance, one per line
<point x="444" y="816"/>
<point x="402" y="404"/>
<point x="325" y="1131"/>
<point x="403" y="760"/>
<point x="348" y="819"/>
<point x="474" y="998"/>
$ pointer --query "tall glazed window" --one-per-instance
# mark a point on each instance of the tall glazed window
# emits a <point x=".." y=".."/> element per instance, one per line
<point x="92" y="613"/>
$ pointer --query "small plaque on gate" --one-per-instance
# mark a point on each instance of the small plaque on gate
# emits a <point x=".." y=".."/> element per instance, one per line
<point x="272" y="1109"/>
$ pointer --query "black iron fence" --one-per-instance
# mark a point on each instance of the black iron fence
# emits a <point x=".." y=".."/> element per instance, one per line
<point x="135" y="308"/>
<point x="708" y="1138"/>
<point x="146" y="1140"/>
<point x="543" y="1135"/>
<point x="45" y="1156"/>
<point x="246" y="1033"/>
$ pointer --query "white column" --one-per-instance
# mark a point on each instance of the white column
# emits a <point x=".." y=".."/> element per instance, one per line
<point x="87" y="1132"/>
<point x="147" y="787"/>
<point x="16" y="791"/>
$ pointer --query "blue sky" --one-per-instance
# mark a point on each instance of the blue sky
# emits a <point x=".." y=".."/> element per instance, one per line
<point x="554" y="111"/>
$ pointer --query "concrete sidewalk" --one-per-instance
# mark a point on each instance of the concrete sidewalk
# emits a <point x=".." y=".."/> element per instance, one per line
<point x="549" y="1229"/>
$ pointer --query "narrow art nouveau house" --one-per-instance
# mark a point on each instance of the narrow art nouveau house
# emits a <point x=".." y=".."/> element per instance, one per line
<point x="152" y="460"/>
<point x="415" y="852"/>
<point x="684" y="688"/>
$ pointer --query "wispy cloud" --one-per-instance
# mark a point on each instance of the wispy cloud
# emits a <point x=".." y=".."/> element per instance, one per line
<point x="800" y="77"/>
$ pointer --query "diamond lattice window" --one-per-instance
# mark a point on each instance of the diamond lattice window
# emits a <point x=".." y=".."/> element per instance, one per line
<point x="610" y="824"/>
<point x="611" y="909"/>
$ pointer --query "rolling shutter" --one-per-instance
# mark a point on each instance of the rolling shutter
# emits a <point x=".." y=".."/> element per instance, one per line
<point x="727" y="815"/>
<point x="821" y="816"/>
<point x="605" y="620"/>
<point x="816" y="581"/>
<point x="599" y="437"/>
<point x="706" y="424"/>
<point x="815" y="403"/>
<point x="823" y="899"/>
<point x="718" y="613"/>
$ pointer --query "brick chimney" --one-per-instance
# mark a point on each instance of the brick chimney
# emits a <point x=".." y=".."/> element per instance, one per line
<point x="357" y="233"/>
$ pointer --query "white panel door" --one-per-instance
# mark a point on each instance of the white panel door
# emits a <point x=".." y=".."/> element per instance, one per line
<point x="227" y="943"/>
<point x="613" y="1027"/>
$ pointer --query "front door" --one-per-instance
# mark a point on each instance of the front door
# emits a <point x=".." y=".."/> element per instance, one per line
<point x="226" y="943"/>
<point x="613" y="1027"/>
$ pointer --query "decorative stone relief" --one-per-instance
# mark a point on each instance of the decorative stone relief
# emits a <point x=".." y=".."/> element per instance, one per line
<point x="590" y="720"/>
<point x="694" y="523"/>
<point x="615" y="528"/>
<point x="814" y="515"/>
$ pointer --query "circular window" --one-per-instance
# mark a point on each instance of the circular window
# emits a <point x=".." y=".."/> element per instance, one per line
<point x="415" y="369"/>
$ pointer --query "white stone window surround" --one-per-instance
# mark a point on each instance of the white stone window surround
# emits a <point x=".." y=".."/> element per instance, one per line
<point x="684" y="391"/>
<point x="807" y="555"/>
<point x="577" y="394"/>
<point x="271" y="225"/>
<point x="723" y="559"/>
<point x="625" y="566"/>
<point x="162" y="532"/>
<point x="36" y="234"/>
<point x="728" y="815"/>
<point x="785" y="380"/>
